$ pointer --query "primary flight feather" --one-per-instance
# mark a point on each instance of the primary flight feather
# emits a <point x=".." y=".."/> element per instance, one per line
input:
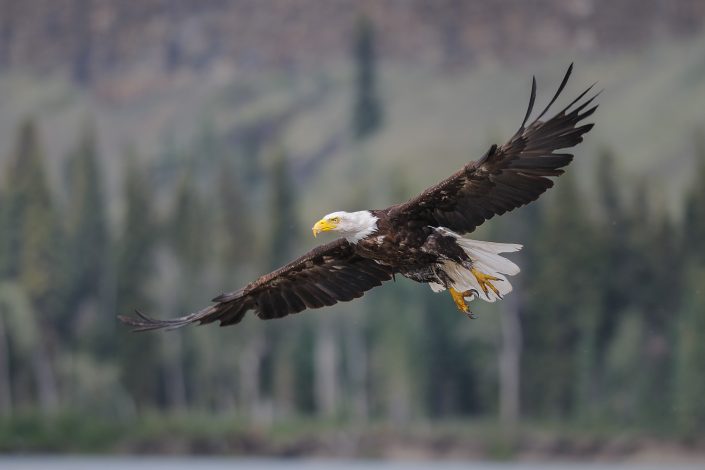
<point x="421" y="239"/>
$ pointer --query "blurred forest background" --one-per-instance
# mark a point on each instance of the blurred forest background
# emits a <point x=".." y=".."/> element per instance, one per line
<point x="157" y="153"/>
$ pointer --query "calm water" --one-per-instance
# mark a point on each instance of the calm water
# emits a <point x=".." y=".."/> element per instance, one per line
<point x="178" y="463"/>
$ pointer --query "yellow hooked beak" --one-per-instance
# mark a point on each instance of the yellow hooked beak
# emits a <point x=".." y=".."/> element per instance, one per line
<point x="323" y="225"/>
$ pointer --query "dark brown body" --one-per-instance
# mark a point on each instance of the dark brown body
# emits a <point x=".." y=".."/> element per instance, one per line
<point x="414" y="238"/>
<point x="416" y="252"/>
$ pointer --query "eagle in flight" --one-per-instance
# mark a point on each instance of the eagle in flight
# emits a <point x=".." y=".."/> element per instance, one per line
<point x="422" y="239"/>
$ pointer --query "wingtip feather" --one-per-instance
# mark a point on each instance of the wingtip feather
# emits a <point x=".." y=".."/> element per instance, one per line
<point x="564" y="82"/>
<point x="532" y="100"/>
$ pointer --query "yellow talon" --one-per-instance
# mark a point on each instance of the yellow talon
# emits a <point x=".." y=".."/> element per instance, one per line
<point x="485" y="281"/>
<point x="459" y="299"/>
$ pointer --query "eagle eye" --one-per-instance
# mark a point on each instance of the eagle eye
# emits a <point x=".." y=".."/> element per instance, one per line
<point x="335" y="220"/>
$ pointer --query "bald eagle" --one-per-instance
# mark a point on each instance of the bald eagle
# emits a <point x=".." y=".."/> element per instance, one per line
<point x="421" y="239"/>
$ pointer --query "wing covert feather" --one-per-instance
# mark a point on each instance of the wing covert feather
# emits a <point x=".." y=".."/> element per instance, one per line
<point x="506" y="177"/>
<point x="326" y="275"/>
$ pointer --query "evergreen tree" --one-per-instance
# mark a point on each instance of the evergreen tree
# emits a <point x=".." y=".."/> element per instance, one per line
<point x="281" y="338"/>
<point x="667" y="274"/>
<point x="689" y="387"/>
<point x="235" y="243"/>
<point x="191" y="233"/>
<point x="655" y="294"/>
<point x="520" y="227"/>
<point x="31" y="243"/>
<point x="616" y="267"/>
<point x="284" y="225"/>
<point x="394" y="347"/>
<point x="562" y="299"/>
<point x="615" y="230"/>
<point x="189" y="228"/>
<point x="694" y="226"/>
<point x="452" y="365"/>
<point x="367" y="111"/>
<point x="135" y="267"/>
<point x="137" y="242"/>
<point x="690" y="358"/>
<point x="235" y="220"/>
<point x="30" y="224"/>
<point x="88" y="244"/>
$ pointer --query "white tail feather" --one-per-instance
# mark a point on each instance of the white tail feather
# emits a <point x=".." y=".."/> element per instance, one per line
<point x="465" y="280"/>
<point x="491" y="247"/>
<point x="436" y="287"/>
<point x="483" y="257"/>
<point x="486" y="259"/>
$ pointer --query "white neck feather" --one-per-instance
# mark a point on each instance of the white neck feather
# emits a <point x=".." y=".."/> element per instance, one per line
<point x="369" y="228"/>
<point x="356" y="225"/>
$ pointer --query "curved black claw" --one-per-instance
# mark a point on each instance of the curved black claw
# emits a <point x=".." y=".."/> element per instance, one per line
<point x="462" y="300"/>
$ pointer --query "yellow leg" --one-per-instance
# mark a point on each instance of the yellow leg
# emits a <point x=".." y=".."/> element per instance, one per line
<point x="459" y="299"/>
<point x="485" y="281"/>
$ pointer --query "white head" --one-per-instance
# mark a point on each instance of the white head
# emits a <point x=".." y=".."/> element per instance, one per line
<point x="354" y="226"/>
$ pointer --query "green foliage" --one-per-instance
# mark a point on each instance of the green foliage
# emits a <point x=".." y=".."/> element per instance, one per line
<point x="620" y="380"/>
<point x="19" y="319"/>
<point x="87" y="247"/>
<point x="136" y="243"/>
<point x="694" y="224"/>
<point x="235" y="220"/>
<point x="189" y="227"/>
<point x="450" y="382"/>
<point x="367" y="109"/>
<point x="283" y="225"/>
<point x="30" y="237"/>
<point x="278" y="377"/>
<point x="689" y="386"/>
<point x="134" y="266"/>
<point x="609" y="298"/>
<point x="690" y="359"/>
<point x="86" y="219"/>
<point x="66" y="432"/>
<point x="562" y="300"/>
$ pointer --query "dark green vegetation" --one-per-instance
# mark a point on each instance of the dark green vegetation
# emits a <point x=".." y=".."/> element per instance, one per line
<point x="610" y="304"/>
<point x="610" y="300"/>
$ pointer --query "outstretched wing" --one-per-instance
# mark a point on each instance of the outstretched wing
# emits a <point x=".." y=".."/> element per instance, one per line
<point x="506" y="177"/>
<point x="324" y="276"/>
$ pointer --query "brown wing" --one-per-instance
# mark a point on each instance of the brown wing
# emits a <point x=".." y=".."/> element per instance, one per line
<point x="506" y="177"/>
<point x="324" y="276"/>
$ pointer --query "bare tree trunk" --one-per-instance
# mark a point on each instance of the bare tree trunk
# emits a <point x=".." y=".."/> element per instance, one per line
<point x="175" y="378"/>
<point x="357" y="360"/>
<point x="284" y="379"/>
<point x="326" y="363"/>
<point x="5" y="379"/>
<point x="83" y="56"/>
<point x="250" y="365"/>
<point x="509" y="363"/>
<point x="45" y="378"/>
<point x="399" y="403"/>
<point x="7" y="34"/>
